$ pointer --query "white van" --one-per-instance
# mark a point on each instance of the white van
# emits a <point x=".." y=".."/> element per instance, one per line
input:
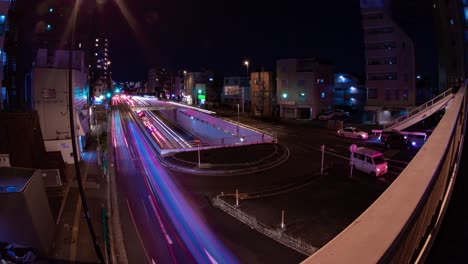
<point x="369" y="161"/>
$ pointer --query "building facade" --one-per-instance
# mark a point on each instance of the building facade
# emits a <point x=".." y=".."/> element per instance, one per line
<point x="450" y="24"/>
<point x="99" y="66"/>
<point x="390" y="80"/>
<point x="4" y="8"/>
<point x="236" y="90"/>
<point x="160" y="82"/>
<point x="304" y="87"/>
<point x="196" y="87"/>
<point x="263" y="86"/>
<point x="51" y="91"/>
<point x="349" y="91"/>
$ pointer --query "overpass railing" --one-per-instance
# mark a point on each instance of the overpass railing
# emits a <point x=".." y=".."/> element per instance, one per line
<point x="428" y="105"/>
<point x="399" y="227"/>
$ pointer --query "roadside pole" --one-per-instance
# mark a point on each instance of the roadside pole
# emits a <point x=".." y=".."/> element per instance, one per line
<point x="197" y="141"/>
<point x="323" y="154"/>
<point x="237" y="198"/>
<point x="282" y="219"/>
<point x="352" y="149"/>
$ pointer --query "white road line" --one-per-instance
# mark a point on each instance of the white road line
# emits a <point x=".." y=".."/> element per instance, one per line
<point x="136" y="229"/>
<point x="168" y="238"/>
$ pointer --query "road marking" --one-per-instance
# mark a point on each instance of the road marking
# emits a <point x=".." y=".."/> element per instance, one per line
<point x="168" y="238"/>
<point x="136" y="229"/>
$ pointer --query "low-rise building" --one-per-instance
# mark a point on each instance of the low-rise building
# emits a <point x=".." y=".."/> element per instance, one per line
<point x="196" y="87"/>
<point x="349" y="91"/>
<point x="304" y="87"/>
<point x="236" y="91"/>
<point x="50" y="93"/>
<point x="263" y="86"/>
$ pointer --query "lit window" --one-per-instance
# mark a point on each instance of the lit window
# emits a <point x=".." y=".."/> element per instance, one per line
<point x="49" y="27"/>
<point x="97" y="45"/>
<point x="51" y="10"/>
<point x="301" y="96"/>
<point x="95" y="53"/>
<point x="97" y="40"/>
<point x="322" y="95"/>
<point x="284" y="95"/>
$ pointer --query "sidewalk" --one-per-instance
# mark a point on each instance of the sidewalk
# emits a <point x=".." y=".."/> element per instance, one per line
<point x="73" y="243"/>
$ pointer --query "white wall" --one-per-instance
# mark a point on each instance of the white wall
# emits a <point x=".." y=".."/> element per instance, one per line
<point x="64" y="146"/>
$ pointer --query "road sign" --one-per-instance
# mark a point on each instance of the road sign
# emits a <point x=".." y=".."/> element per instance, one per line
<point x="197" y="141"/>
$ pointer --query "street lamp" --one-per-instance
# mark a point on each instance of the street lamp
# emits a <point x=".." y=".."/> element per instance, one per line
<point x="246" y="63"/>
<point x="237" y="119"/>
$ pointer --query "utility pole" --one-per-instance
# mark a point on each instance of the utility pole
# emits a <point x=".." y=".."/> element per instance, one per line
<point x="71" y="111"/>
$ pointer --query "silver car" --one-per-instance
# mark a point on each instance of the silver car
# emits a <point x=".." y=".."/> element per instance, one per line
<point x="352" y="132"/>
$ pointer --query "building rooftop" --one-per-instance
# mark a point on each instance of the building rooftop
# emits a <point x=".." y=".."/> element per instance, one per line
<point x="14" y="179"/>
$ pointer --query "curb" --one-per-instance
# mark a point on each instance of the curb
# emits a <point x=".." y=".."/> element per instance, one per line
<point x="117" y="247"/>
<point x="201" y="171"/>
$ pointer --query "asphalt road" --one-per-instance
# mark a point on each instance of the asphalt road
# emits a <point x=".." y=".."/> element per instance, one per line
<point x="317" y="206"/>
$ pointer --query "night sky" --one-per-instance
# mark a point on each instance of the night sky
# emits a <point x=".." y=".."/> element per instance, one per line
<point x="219" y="35"/>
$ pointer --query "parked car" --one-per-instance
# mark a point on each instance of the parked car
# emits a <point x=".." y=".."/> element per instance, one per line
<point x="352" y="132"/>
<point x="398" y="141"/>
<point x="385" y="134"/>
<point x="369" y="161"/>
<point x="326" y="116"/>
<point x="340" y="113"/>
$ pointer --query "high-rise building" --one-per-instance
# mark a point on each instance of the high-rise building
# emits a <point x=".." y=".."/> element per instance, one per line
<point x="390" y="81"/>
<point x="304" y="87"/>
<point x="99" y="65"/>
<point x="18" y="61"/>
<point x="450" y="27"/>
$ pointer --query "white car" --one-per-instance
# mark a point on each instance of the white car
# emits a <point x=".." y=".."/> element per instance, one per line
<point x="326" y="116"/>
<point x="352" y="132"/>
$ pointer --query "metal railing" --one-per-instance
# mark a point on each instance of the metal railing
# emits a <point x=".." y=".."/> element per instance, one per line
<point x="426" y="106"/>
<point x="276" y="234"/>
<point x="401" y="224"/>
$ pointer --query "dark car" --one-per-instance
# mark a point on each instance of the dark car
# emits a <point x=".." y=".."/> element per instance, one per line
<point x="384" y="134"/>
<point x="398" y="141"/>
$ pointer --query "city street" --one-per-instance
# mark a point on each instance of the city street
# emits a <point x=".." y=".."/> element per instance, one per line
<point x="317" y="206"/>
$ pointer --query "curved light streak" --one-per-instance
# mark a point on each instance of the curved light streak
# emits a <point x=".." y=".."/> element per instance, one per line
<point x="195" y="234"/>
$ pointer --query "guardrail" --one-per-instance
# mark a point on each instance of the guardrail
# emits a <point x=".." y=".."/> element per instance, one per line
<point x="400" y="225"/>
<point x="406" y="133"/>
<point x="425" y="106"/>
<point x="275" y="234"/>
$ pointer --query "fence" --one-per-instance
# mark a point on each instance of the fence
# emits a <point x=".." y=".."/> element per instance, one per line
<point x="278" y="235"/>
